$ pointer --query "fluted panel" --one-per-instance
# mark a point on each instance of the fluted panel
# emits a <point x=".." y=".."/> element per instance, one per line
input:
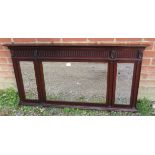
<point x="73" y="52"/>
<point x="77" y="52"/>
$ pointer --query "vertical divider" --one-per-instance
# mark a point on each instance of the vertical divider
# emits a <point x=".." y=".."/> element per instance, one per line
<point x="40" y="80"/>
<point x="133" y="84"/>
<point x="19" y="80"/>
<point x="136" y="79"/>
<point x="114" y="83"/>
<point x="110" y="83"/>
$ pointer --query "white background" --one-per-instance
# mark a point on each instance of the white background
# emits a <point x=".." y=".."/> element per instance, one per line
<point x="77" y="18"/>
<point x="77" y="135"/>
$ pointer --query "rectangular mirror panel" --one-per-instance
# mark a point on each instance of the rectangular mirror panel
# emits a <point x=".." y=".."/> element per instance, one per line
<point x="123" y="83"/>
<point x="29" y="80"/>
<point x="76" y="81"/>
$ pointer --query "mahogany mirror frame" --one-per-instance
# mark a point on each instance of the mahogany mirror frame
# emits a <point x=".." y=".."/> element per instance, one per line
<point x="111" y="54"/>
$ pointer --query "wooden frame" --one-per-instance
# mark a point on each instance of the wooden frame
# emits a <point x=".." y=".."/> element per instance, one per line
<point x="78" y="53"/>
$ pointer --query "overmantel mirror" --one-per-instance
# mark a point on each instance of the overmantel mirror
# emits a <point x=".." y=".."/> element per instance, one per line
<point x="87" y="76"/>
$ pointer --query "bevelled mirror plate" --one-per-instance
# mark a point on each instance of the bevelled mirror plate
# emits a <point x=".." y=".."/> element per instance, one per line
<point x="76" y="81"/>
<point x="124" y="83"/>
<point x="29" y="79"/>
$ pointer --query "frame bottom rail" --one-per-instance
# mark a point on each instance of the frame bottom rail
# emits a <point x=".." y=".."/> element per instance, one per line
<point x="105" y="108"/>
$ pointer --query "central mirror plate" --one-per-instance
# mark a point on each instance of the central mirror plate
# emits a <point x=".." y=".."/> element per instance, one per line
<point x="76" y="81"/>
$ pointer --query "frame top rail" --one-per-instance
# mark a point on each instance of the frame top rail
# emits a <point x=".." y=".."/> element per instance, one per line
<point x="109" y="44"/>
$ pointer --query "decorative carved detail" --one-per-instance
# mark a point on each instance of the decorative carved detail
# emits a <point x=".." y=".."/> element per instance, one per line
<point x="35" y="53"/>
<point x="140" y="54"/>
<point x="12" y="54"/>
<point x="113" y="54"/>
